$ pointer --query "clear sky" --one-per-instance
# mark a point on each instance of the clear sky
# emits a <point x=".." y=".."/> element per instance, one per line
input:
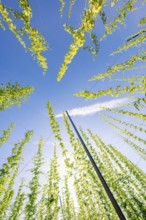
<point x="18" y="65"/>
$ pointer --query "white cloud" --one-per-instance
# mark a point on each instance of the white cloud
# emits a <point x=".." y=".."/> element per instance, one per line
<point x="92" y="109"/>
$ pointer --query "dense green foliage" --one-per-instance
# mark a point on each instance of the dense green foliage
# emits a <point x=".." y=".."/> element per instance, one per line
<point x="125" y="179"/>
<point x="37" y="42"/>
<point x="6" y="134"/>
<point x="8" y="173"/>
<point x="34" y="185"/>
<point x="13" y="94"/>
<point x="18" y="203"/>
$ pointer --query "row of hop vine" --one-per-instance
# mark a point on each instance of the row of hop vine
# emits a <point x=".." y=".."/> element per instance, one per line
<point x="125" y="179"/>
<point x="91" y="13"/>
<point x="41" y="201"/>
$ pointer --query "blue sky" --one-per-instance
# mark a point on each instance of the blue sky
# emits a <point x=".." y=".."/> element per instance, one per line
<point x="17" y="65"/>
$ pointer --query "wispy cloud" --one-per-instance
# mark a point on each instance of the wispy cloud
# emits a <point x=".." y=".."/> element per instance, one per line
<point x="92" y="109"/>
